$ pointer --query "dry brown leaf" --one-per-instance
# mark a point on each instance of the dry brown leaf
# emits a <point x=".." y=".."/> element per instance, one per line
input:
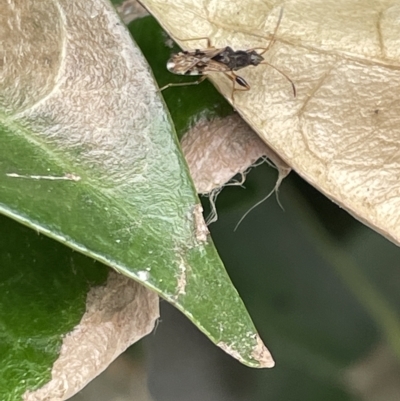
<point x="118" y="314"/>
<point x="340" y="133"/>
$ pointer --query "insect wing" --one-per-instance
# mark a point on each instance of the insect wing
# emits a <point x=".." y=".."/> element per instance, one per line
<point x="182" y="64"/>
<point x="208" y="53"/>
<point x="215" y="66"/>
<point x="193" y="62"/>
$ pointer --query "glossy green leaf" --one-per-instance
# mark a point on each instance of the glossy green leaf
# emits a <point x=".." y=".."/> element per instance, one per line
<point x="88" y="156"/>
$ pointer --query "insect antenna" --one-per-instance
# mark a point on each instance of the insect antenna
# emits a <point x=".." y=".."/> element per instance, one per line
<point x="272" y="41"/>
<point x="283" y="74"/>
<point x="265" y="49"/>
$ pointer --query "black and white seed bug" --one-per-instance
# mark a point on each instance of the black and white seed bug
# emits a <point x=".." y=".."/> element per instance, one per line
<point x="220" y="60"/>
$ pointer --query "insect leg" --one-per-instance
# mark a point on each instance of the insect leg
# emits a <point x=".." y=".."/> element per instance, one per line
<point x="183" y="83"/>
<point x="236" y="79"/>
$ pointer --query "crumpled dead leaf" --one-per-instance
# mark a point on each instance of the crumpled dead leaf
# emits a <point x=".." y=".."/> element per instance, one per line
<point x="340" y="132"/>
<point x="218" y="150"/>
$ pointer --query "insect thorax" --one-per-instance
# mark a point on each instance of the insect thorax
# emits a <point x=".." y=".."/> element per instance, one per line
<point x="235" y="60"/>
